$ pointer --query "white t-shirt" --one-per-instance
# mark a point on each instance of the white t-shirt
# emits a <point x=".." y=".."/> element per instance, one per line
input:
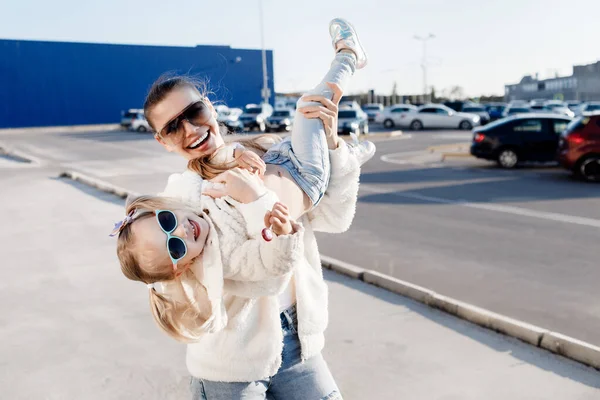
<point x="287" y="298"/>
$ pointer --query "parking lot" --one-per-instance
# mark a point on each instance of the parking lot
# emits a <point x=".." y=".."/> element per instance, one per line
<point x="519" y="242"/>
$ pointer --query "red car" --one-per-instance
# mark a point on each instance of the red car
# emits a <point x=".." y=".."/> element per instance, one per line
<point x="579" y="147"/>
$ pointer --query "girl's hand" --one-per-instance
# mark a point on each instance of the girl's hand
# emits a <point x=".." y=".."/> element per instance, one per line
<point x="237" y="183"/>
<point x="250" y="160"/>
<point x="278" y="219"/>
<point x="328" y="113"/>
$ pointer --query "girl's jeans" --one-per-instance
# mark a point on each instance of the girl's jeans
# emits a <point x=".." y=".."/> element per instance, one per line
<point x="295" y="380"/>
<point x="305" y="154"/>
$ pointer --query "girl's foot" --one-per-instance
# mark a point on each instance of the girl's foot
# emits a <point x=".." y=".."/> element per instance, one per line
<point x="344" y="37"/>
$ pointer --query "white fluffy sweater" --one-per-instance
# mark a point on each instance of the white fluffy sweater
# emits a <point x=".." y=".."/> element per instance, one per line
<point x="243" y="339"/>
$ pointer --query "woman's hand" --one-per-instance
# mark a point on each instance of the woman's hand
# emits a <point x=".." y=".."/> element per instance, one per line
<point x="278" y="219"/>
<point x="328" y="113"/>
<point x="237" y="183"/>
<point x="249" y="160"/>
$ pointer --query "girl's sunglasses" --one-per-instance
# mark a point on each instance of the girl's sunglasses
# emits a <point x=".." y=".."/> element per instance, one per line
<point x="196" y="114"/>
<point x="175" y="245"/>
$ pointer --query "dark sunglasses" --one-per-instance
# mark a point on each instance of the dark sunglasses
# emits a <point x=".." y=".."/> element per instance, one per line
<point x="175" y="245"/>
<point x="196" y="114"/>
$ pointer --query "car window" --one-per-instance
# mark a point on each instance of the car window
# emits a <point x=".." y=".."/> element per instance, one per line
<point x="559" y="125"/>
<point x="528" y="125"/>
<point x="399" y="110"/>
<point x="593" y="107"/>
<point x="346" y="114"/>
<point x="440" y="111"/>
<point x="473" y="109"/>
<point x="428" y="110"/>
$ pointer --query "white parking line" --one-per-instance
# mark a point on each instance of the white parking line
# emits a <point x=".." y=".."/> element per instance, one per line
<point x="525" y="212"/>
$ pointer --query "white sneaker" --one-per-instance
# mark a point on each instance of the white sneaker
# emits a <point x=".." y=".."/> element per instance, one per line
<point x="344" y="36"/>
<point x="363" y="151"/>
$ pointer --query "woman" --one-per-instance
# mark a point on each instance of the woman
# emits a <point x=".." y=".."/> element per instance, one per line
<point x="224" y="365"/>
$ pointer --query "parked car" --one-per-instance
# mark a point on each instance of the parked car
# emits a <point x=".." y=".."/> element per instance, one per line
<point x="255" y="116"/>
<point x="512" y="110"/>
<point x="438" y="116"/>
<point x="230" y="118"/>
<point x="140" y="124"/>
<point x="579" y="147"/>
<point x="280" y="121"/>
<point x="129" y="115"/>
<point x="390" y="116"/>
<point x="373" y="110"/>
<point x="520" y="138"/>
<point x="573" y="105"/>
<point x="349" y="104"/>
<point x="559" y="107"/>
<point x="495" y="110"/>
<point x="477" y="110"/>
<point x="352" y="121"/>
<point x="589" y="107"/>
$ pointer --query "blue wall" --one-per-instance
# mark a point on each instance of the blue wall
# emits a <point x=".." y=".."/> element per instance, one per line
<point x="56" y="83"/>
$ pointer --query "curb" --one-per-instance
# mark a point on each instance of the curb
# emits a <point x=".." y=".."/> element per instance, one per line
<point x="19" y="156"/>
<point x="53" y="129"/>
<point x="554" y="342"/>
<point x="98" y="184"/>
<point x="542" y="338"/>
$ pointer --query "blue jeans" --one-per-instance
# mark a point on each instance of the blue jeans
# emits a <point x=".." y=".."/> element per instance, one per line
<point x="295" y="380"/>
<point x="305" y="154"/>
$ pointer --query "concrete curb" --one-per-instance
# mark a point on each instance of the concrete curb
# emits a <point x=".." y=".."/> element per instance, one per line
<point x="98" y="184"/>
<point x="557" y="343"/>
<point x="19" y="156"/>
<point x="54" y="129"/>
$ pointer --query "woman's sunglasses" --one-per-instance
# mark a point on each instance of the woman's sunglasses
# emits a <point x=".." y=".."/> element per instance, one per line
<point x="196" y="114"/>
<point x="175" y="245"/>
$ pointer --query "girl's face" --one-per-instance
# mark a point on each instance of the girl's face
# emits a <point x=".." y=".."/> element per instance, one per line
<point x="152" y="241"/>
<point x="192" y="137"/>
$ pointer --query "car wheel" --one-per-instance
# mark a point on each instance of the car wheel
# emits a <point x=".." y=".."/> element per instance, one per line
<point x="142" y="128"/>
<point x="388" y="124"/>
<point x="416" y="125"/>
<point x="508" y="158"/>
<point x="465" y="126"/>
<point x="589" y="168"/>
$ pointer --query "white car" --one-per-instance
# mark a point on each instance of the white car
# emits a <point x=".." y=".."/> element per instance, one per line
<point x="139" y="123"/>
<point x="438" y="116"/>
<point x="390" y="117"/>
<point x="477" y="109"/>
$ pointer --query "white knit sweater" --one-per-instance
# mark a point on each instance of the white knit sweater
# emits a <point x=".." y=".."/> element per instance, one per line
<point x="243" y="339"/>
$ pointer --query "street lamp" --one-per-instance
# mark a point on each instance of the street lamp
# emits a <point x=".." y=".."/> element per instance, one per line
<point x="265" y="92"/>
<point x="424" y="62"/>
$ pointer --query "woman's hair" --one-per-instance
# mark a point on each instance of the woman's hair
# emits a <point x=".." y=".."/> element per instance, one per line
<point x="165" y="85"/>
<point x="208" y="169"/>
<point x="181" y="320"/>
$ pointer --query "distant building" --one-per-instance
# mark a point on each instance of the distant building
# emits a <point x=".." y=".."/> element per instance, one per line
<point x="58" y="83"/>
<point x="583" y="85"/>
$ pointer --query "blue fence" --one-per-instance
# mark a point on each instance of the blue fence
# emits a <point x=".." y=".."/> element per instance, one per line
<point x="56" y="83"/>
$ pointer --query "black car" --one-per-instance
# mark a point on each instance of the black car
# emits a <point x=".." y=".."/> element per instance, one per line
<point x="280" y="121"/>
<point x="352" y="121"/>
<point x="509" y="141"/>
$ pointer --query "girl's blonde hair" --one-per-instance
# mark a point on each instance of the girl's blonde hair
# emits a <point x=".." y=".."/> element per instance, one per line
<point x="180" y="319"/>
<point x="208" y="169"/>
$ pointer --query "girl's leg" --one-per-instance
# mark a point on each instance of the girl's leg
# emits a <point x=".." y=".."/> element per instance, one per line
<point x="209" y="390"/>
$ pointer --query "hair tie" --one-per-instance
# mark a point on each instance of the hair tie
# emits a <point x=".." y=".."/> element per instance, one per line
<point x="150" y="286"/>
<point x="119" y="226"/>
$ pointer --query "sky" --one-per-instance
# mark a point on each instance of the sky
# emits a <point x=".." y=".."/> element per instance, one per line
<point x="479" y="45"/>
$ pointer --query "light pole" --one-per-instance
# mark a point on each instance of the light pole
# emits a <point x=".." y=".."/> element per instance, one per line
<point x="265" y="92"/>
<point x="424" y="62"/>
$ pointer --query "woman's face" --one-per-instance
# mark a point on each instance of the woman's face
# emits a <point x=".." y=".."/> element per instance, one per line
<point x="192" y="139"/>
<point x="152" y="241"/>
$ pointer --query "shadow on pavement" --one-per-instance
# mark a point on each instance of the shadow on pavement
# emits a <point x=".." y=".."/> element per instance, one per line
<point x="109" y="136"/>
<point x="522" y="351"/>
<point x="92" y="192"/>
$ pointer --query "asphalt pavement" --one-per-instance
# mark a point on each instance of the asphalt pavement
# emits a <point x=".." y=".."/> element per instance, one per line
<point x="74" y="328"/>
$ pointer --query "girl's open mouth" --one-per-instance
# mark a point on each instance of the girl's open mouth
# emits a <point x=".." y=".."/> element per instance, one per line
<point x="195" y="228"/>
